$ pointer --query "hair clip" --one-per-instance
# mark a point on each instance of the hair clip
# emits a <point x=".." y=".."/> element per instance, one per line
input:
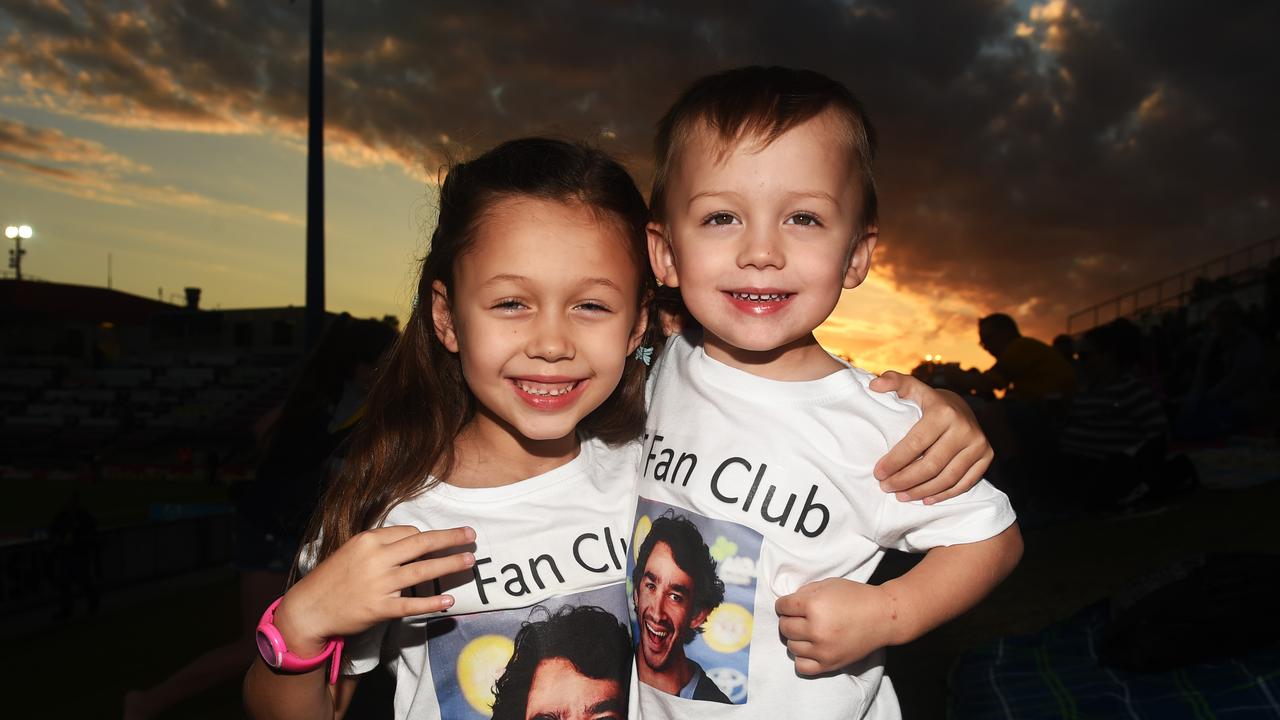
<point x="644" y="354"/>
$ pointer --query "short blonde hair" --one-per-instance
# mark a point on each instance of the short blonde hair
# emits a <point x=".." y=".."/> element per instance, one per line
<point x="762" y="103"/>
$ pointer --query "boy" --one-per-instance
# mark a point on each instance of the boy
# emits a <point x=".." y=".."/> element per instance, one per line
<point x="764" y="209"/>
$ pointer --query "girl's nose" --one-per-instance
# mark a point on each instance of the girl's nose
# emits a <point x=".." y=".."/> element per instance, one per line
<point x="551" y="340"/>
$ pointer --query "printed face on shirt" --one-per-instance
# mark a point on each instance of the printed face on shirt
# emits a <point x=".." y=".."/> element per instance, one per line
<point x="560" y="692"/>
<point x="543" y="313"/>
<point x="762" y="240"/>
<point x="664" y="606"/>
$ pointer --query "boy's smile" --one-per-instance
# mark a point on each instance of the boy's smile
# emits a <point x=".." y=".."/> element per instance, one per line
<point x="761" y="241"/>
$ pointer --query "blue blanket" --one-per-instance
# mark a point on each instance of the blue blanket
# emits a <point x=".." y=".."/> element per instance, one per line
<point x="1055" y="674"/>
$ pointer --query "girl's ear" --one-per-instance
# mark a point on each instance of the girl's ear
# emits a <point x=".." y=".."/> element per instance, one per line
<point x="860" y="257"/>
<point x="442" y="316"/>
<point x="661" y="257"/>
<point x="642" y="324"/>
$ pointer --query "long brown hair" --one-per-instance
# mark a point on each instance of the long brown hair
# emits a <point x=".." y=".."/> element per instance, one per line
<point x="420" y="401"/>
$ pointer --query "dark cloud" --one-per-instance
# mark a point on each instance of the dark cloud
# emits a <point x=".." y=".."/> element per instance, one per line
<point x="1064" y="156"/>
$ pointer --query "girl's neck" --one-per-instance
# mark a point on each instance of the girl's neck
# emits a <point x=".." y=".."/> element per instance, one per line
<point x="490" y="453"/>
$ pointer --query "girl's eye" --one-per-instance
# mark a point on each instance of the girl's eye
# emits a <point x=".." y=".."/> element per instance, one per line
<point x="592" y="306"/>
<point x="720" y="218"/>
<point x="509" y="304"/>
<point x="804" y="219"/>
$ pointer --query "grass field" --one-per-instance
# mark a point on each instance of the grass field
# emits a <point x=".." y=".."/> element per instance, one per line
<point x="31" y="505"/>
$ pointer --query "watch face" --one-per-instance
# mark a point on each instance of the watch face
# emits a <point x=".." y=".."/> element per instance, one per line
<point x="267" y="650"/>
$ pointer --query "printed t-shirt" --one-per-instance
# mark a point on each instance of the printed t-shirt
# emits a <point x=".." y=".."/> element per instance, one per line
<point x="777" y="479"/>
<point x="555" y="540"/>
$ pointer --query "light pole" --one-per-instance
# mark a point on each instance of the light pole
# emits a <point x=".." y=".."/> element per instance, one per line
<point x="17" y="233"/>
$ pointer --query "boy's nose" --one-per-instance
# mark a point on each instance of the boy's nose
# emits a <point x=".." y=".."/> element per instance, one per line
<point x="760" y="249"/>
<point x="550" y="340"/>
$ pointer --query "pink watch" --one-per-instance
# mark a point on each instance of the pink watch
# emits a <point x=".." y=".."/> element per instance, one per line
<point x="272" y="648"/>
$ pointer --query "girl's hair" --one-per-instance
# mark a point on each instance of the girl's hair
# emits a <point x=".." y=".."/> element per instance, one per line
<point x="420" y="401"/>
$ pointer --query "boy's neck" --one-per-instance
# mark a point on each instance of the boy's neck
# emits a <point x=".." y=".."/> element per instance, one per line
<point x="797" y="361"/>
<point x="489" y="453"/>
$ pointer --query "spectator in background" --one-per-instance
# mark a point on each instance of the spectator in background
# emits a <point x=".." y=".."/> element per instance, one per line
<point x="299" y="440"/>
<point x="77" y="556"/>
<point x="1066" y="347"/>
<point x="1229" y="389"/>
<point x="1114" y="441"/>
<point x="1026" y="369"/>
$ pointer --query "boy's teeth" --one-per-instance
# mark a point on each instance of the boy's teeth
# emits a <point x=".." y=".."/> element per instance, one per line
<point x="544" y="390"/>
<point x="752" y="297"/>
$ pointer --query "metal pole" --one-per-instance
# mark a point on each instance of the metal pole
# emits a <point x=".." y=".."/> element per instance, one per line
<point x="315" y="180"/>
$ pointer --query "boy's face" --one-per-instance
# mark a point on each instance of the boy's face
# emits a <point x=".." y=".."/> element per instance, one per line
<point x="761" y="241"/>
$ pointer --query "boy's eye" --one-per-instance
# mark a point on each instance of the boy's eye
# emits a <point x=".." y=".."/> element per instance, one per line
<point x="720" y="218"/>
<point x="804" y="219"/>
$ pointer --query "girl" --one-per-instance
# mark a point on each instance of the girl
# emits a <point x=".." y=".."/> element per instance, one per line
<point x="501" y="423"/>
<point x="509" y="391"/>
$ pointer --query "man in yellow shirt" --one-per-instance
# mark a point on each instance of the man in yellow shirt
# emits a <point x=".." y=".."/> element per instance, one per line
<point x="1026" y="368"/>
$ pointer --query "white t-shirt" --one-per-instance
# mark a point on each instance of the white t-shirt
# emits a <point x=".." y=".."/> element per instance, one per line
<point x="777" y="477"/>
<point x="558" y="539"/>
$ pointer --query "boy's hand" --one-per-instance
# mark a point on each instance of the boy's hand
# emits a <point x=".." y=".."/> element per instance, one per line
<point x="359" y="585"/>
<point x="943" y="455"/>
<point x="831" y="623"/>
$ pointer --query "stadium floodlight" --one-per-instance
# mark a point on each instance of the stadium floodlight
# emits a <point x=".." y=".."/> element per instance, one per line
<point x="17" y="233"/>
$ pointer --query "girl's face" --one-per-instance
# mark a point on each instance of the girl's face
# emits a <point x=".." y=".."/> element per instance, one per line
<point x="543" y="315"/>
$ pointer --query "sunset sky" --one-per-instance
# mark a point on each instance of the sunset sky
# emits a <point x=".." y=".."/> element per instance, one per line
<point x="1036" y="158"/>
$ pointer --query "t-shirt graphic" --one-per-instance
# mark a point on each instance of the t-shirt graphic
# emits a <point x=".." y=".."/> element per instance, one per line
<point x="692" y="582"/>
<point x="553" y="660"/>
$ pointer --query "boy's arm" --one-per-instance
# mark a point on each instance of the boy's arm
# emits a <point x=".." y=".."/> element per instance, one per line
<point x="831" y="623"/>
<point x="943" y="455"/>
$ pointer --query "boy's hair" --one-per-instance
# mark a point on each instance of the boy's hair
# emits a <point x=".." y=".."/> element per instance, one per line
<point x="419" y="400"/>
<point x="762" y="103"/>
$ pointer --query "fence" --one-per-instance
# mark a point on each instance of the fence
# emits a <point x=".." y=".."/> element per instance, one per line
<point x="1176" y="290"/>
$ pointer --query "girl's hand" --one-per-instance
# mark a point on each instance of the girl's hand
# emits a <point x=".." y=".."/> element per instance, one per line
<point x="359" y="585"/>
<point x="943" y="455"/>
<point x="831" y="623"/>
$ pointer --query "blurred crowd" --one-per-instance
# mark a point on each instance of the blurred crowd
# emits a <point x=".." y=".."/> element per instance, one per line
<point x="1102" y="419"/>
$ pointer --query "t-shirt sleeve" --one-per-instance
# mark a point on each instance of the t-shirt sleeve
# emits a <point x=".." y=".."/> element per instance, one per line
<point x="981" y="513"/>
<point x="363" y="652"/>
<point x="978" y="514"/>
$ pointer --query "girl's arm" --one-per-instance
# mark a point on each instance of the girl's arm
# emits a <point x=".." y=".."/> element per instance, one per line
<point x="831" y="623"/>
<point x="943" y="455"/>
<point x="354" y="589"/>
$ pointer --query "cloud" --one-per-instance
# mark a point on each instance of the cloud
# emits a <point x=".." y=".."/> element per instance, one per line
<point x="50" y="159"/>
<point x="1063" y="153"/>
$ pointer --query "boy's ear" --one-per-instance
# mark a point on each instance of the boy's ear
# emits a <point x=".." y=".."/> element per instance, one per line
<point x="661" y="257"/>
<point x="442" y="316"/>
<point x="860" y="257"/>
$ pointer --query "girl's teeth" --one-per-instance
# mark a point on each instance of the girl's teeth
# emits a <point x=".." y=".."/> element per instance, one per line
<point x="752" y="297"/>
<point x="547" y="392"/>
